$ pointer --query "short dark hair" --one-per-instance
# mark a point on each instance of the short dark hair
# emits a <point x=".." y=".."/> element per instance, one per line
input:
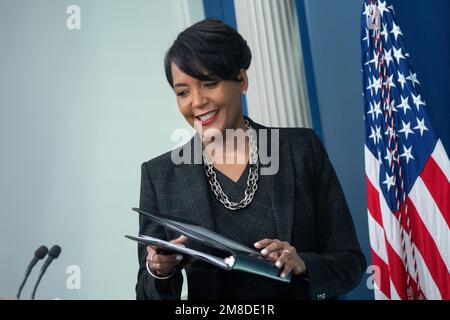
<point x="208" y="50"/>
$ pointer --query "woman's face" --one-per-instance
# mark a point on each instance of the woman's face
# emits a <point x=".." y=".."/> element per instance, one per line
<point x="212" y="104"/>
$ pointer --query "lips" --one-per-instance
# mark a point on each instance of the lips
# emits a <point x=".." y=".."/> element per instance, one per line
<point x="208" y="118"/>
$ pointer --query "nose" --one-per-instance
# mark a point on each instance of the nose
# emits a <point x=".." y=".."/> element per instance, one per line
<point x="198" y="99"/>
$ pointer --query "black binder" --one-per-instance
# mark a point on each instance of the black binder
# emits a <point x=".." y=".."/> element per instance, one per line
<point x="235" y="255"/>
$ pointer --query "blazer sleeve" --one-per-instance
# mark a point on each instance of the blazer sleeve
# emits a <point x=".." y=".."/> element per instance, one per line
<point x="338" y="264"/>
<point x="148" y="287"/>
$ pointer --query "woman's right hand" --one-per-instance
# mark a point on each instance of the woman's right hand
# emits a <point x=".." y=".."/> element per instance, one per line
<point x="163" y="265"/>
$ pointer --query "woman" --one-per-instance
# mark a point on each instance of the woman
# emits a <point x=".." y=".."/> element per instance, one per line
<point x="296" y="215"/>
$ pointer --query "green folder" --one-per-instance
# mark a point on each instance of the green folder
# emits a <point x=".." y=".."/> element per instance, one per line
<point x="235" y="256"/>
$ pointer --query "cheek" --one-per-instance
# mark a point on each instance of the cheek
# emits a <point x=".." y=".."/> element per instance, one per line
<point x="228" y="100"/>
<point x="186" y="111"/>
<point x="234" y="102"/>
<point x="233" y="95"/>
<point x="184" y="108"/>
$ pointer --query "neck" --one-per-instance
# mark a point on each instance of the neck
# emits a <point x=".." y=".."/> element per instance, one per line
<point x="234" y="147"/>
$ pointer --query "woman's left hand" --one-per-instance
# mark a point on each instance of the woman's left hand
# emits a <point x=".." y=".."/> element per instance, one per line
<point x="284" y="254"/>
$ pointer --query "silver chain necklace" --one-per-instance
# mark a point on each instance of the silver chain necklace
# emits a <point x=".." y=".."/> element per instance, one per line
<point x="253" y="175"/>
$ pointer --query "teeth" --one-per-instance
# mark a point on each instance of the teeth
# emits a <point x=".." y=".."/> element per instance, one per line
<point x="207" y="116"/>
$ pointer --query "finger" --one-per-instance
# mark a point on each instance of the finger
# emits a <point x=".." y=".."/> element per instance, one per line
<point x="164" y="272"/>
<point x="161" y="265"/>
<point x="274" y="246"/>
<point x="297" y="269"/>
<point x="180" y="240"/>
<point x="263" y="243"/>
<point x="157" y="260"/>
<point x="161" y="270"/>
<point x="284" y="257"/>
<point x="171" y="258"/>
<point x="151" y="249"/>
<point x="287" y="268"/>
<point x="273" y="256"/>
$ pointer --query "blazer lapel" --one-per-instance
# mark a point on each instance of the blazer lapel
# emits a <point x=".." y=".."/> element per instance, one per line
<point x="281" y="183"/>
<point x="193" y="188"/>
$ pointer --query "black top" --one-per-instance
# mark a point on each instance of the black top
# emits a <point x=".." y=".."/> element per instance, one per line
<point x="246" y="226"/>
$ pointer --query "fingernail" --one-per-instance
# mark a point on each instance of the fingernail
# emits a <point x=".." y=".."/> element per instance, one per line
<point x="256" y="244"/>
<point x="264" y="251"/>
<point x="278" y="264"/>
<point x="179" y="258"/>
<point x="283" y="275"/>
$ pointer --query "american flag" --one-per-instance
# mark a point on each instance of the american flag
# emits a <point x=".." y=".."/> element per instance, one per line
<point x="407" y="168"/>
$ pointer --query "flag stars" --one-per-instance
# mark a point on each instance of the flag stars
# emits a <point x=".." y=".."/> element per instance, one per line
<point x="404" y="105"/>
<point x="421" y="126"/>
<point x="367" y="38"/>
<point x="398" y="54"/>
<point x="372" y="111"/>
<point x="376" y="134"/>
<point x="389" y="182"/>
<point x="407" y="154"/>
<point x="382" y="7"/>
<point x="390" y="132"/>
<point x="401" y="79"/>
<point x="369" y="88"/>
<point x="377" y="110"/>
<point x="385" y="33"/>
<point x="391" y="107"/>
<point x="376" y="84"/>
<point x="390" y="82"/>
<point x="374" y="60"/>
<point x="366" y="11"/>
<point x="406" y="130"/>
<point x="396" y="30"/>
<point x="413" y="78"/>
<point x="391" y="7"/>
<point x="381" y="41"/>
<point x="390" y="156"/>
<point x="418" y="101"/>
<point x="388" y="57"/>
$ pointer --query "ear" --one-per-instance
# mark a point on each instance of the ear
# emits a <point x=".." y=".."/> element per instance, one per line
<point x="244" y="80"/>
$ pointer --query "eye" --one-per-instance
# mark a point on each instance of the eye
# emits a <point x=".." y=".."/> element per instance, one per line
<point x="211" y="84"/>
<point x="182" y="93"/>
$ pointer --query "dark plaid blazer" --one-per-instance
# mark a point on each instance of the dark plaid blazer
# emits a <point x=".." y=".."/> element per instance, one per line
<point x="308" y="207"/>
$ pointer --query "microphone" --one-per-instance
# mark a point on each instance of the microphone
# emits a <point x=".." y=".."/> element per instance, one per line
<point x="39" y="254"/>
<point x="52" y="254"/>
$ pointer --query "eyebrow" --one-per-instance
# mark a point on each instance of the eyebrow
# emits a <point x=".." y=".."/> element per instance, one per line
<point x="180" y="85"/>
<point x="177" y="85"/>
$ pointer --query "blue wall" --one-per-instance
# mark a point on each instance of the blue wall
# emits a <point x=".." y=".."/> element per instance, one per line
<point x="309" y="68"/>
<point x="224" y="10"/>
<point x="334" y="31"/>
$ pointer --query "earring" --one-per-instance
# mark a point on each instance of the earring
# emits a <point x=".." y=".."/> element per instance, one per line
<point x="244" y="92"/>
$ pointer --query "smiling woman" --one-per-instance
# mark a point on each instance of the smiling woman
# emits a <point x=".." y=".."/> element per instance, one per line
<point x="296" y="215"/>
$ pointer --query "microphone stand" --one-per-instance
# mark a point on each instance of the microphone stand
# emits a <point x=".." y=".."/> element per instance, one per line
<point x="36" y="285"/>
